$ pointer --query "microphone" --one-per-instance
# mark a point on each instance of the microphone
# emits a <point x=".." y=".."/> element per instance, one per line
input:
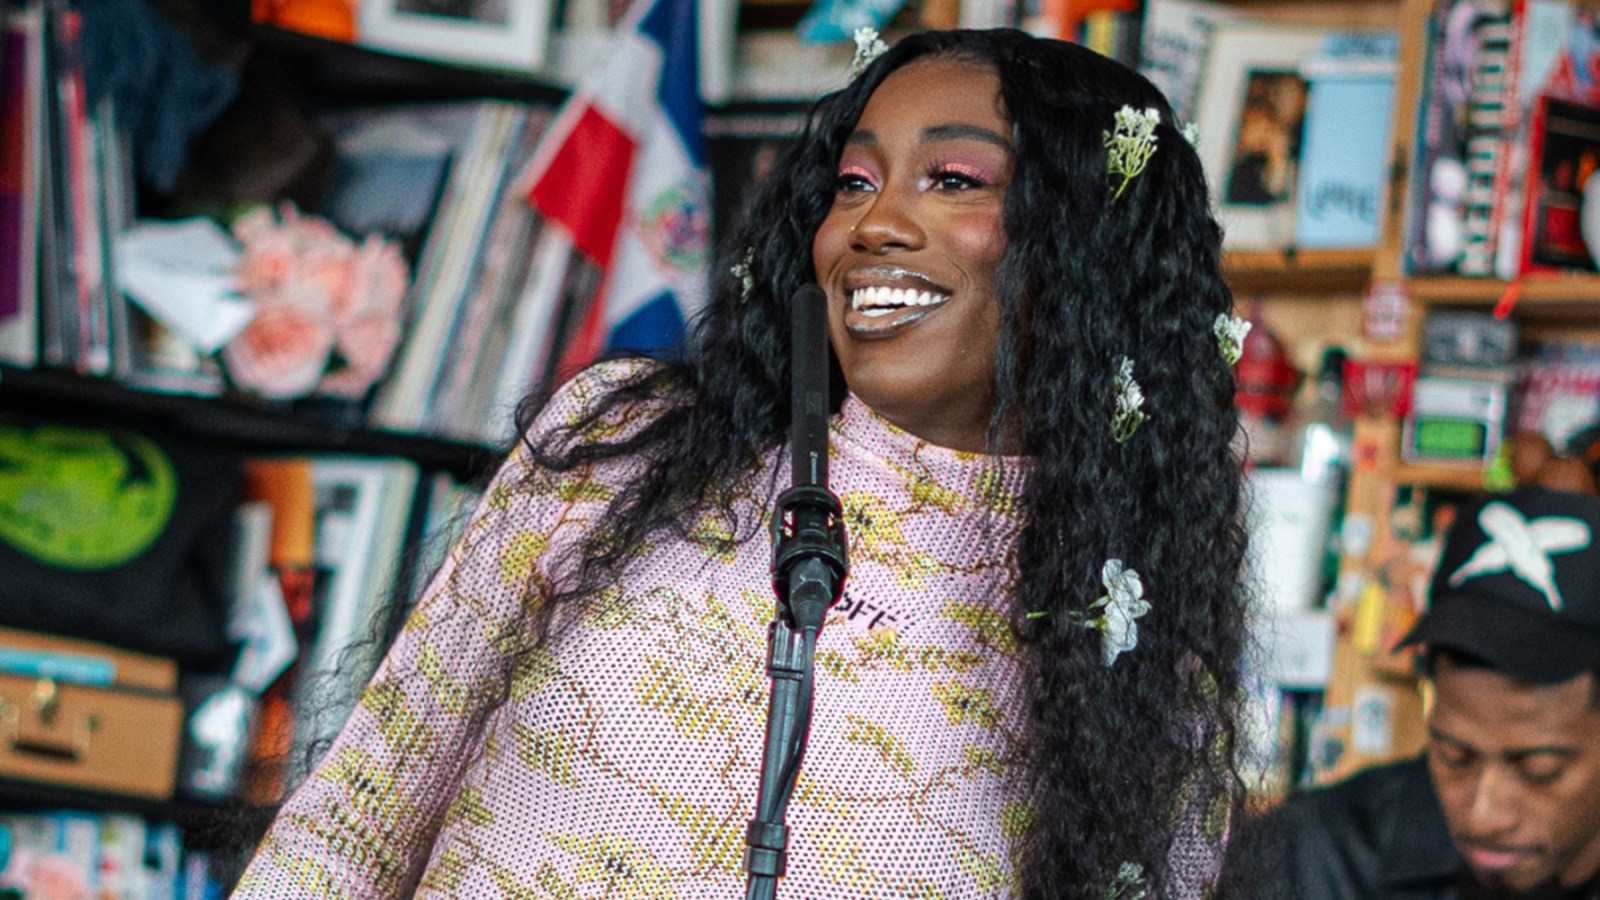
<point x="809" y="565"/>
<point x="809" y="558"/>
<point x="809" y="388"/>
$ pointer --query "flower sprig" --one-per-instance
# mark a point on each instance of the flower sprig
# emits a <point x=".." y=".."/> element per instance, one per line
<point x="741" y="270"/>
<point x="1113" y="614"/>
<point x="868" y="48"/>
<point x="1230" y="332"/>
<point x="1191" y="133"/>
<point x="1129" y="883"/>
<point x="1126" y="415"/>
<point x="1131" y="145"/>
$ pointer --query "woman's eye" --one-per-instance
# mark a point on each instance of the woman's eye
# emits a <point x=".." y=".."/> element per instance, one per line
<point x="951" y="180"/>
<point x="851" y="183"/>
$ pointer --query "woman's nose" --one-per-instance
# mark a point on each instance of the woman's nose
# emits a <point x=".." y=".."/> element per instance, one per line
<point x="889" y="223"/>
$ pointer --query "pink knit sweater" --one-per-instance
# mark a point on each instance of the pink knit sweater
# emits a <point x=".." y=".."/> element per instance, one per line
<point x="622" y="760"/>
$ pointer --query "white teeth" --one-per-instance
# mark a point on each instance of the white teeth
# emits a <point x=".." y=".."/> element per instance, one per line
<point x="881" y="300"/>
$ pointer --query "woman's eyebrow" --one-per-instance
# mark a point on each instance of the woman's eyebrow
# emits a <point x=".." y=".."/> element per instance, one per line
<point x="958" y="131"/>
<point x="951" y="132"/>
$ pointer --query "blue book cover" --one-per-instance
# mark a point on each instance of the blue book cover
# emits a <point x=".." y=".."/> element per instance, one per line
<point x="1344" y="154"/>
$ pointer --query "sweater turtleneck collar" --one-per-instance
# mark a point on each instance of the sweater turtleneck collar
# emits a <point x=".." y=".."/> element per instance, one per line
<point x="997" y="481"/>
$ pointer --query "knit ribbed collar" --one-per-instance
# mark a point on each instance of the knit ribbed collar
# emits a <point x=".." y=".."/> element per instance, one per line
<point x="859" y="429"/>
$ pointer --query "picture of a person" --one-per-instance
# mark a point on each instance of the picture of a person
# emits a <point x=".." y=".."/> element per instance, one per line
<point x="1266" y="152"/>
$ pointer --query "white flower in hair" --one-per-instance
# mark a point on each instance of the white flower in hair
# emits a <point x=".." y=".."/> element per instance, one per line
<point x="1123" y="603"/>
<point x="741" y="271"/>
<point x="1131" y="145"/>
<point x="1126" y="415"/>
<point x="868" y="48"/>
<point x="1129" y="883"/>
<point x="1230" y="332"/>
<point x="1191" y="133"/>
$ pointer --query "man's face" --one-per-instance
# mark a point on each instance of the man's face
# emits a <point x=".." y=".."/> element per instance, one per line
<point x="1517" y="768"/>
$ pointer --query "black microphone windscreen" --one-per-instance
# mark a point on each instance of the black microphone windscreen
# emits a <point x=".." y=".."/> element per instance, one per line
<point x="809" y="369"/>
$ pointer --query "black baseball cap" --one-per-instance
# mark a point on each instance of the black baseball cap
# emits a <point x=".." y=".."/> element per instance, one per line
<point x="1518" y="586"/>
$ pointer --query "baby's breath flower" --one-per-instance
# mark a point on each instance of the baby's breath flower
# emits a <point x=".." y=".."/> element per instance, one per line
<point x="1230" y="332"/>
<point x="741" y="270"/>
<point x="1129" y="883"/>
<point x="1126" y="415"/>
<point x="1191" y="133"/>
<point x="868" y="48"/>
<point x="1131" y="144"/>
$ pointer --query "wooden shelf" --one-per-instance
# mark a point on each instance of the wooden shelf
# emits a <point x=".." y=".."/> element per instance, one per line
<point x="1555" y="291"/>
<point x="1289" y="271"/>
<point x="235" y="421"/>
<point x="228" y="830"/>
<point x="1458" y="477"/>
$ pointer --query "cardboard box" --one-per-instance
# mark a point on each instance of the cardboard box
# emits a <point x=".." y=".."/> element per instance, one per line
<point x="88" y="716"/>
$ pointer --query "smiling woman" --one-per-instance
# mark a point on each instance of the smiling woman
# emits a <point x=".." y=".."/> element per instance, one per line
<point x="908" y="251"/>
<point x="1029" y="688"/>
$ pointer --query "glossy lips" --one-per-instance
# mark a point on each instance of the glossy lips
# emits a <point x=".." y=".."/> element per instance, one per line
<point x="884" y="303"/>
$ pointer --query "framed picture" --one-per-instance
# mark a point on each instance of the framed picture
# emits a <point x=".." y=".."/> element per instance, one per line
<point x="504" y="34"/>
<point x="1252" y="118"/>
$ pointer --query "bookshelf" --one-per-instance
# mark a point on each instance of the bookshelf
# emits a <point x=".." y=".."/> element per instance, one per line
<point x="1329" y="272"/>
<point x="236" y="421"/>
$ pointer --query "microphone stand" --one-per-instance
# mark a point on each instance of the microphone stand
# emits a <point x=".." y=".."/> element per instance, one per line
<point x="809" y="565"/>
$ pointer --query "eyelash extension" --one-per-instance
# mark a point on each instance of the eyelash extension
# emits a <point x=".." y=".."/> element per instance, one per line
<point x="978" y="176"/>
<point x="851" y="173"/>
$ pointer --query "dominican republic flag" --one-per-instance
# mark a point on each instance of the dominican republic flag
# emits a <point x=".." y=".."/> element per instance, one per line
<point x="623" y="171"/>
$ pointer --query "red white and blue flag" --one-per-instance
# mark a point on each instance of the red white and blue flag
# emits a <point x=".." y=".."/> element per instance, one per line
<point x="623" y="171"/>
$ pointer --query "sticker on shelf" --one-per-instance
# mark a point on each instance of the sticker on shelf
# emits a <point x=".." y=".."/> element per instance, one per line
<point x="1372" y="721"/>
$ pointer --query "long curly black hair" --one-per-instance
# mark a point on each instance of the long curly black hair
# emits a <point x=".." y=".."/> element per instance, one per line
<point x="1128" y="758"/>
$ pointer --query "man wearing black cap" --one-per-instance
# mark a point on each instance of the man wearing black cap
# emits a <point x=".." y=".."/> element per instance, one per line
<point x="1505" y="803"/>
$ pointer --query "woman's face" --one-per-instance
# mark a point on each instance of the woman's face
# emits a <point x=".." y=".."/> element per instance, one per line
<point x="908" y="251"/>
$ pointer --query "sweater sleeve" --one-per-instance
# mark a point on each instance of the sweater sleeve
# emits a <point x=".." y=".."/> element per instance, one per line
<point x="363" y="823"/>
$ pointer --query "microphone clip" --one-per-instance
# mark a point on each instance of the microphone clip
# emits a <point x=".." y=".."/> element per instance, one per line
<point x="809" y="554"/>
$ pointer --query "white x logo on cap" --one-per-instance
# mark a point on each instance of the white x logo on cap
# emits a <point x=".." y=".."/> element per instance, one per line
<point x="1523" y="547"/>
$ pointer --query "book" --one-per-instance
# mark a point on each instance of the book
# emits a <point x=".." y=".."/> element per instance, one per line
<point x="1251" y="117"/>
<point x="1488" y="106"/>
<point x="1175" y="37"/>
<point x="479" y="339"/>
<point x="284" y="484"/>
<point x="1344" y="159"/>
<point x="1545" y="29"/>
<point x="363" y="509"/>
<point x="479" y="172"/>
<point x="20" y="152"/>
<point x="1437" y="175"/>
<point x="1561" y="222"/>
